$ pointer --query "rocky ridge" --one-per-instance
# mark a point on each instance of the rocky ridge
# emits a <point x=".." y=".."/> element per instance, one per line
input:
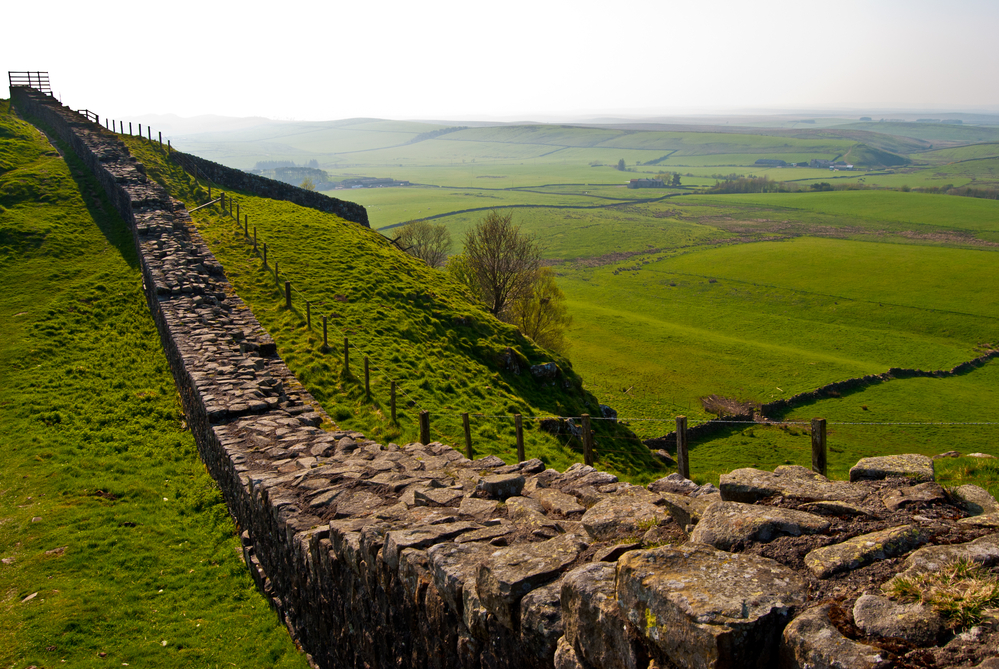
<point x="413" y="555"/>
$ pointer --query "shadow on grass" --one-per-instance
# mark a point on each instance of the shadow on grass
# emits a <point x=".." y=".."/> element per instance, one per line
<point x="103" y="213"/>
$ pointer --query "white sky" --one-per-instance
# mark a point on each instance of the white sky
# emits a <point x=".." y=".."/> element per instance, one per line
<point x="507" y="60"/>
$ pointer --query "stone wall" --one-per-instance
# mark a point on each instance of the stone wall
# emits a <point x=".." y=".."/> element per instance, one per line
<point x="276" y="190"/>
<point x="414" y="556"/>
<point x="833" y="389"/>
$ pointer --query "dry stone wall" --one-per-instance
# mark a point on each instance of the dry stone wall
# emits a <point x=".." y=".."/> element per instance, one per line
<point x="276" y="190"/>
<point x="414" y="556"/>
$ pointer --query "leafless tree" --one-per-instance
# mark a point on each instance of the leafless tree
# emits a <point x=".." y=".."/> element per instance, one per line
<point x="430" y="243"/>
<point x="503" y="261"/>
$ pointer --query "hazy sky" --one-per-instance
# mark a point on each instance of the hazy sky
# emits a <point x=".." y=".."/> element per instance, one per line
<point x="507" y="60"/>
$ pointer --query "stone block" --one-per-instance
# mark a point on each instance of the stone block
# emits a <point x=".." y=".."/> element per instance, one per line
<point x="512" y="572"/>
<point x="706" y="609"/>
<point x="864" y="549"/>
<point x="728" y="525"/>
<point x="917" y="468"/>
<point x="811" y="641"/>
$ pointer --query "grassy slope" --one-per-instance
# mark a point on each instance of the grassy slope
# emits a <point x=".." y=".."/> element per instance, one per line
<point x="97" y="465"/>
<point x="415" y="325"/>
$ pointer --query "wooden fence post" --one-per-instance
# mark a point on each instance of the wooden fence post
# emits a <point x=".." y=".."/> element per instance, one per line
<point x="161" y="139"/>
<point x="587" y="440"/>
<point x="129" y="128"/>
<point x="140" y="131"/>
<point x="392" y="401"/>
<point x="346" y="356"/>
<point x="246" y="225"/>
<point x="468" y="437"/>
<point x="308" y="315"/>
<point x="237" y="212"/>
<point x="169" y="148"/>
<point x="326" y="343"/>
<point x="518" y="425"/>
<point x="424" y="427"/>
<point x="367" y="384"/>
<point x="254" y="239"/>
<point x="265" y="254"/>
<point x="819" y="446"/>
<point x="287" y="293"/>
<point x="682" y="458"/>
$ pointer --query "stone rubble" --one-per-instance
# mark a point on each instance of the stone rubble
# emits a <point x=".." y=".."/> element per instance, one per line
<point x="412" y="555"/>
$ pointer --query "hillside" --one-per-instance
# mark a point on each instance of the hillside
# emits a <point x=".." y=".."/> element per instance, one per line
<point x="114" y="539"/>
<point x="446" y="354"/>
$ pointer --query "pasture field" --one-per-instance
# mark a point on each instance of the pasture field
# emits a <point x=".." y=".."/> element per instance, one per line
<point x="768" y="328"/>
<point x="114" y="538"/>
<point x="866" y="423"/>
<point x="872" y="207"/>
<point x="752" y="297"/>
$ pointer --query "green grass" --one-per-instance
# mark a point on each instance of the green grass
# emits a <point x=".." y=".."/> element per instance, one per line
<point x="105" y="508"/>
<point x="416" y="326"/>
<point x="914" y="209"/>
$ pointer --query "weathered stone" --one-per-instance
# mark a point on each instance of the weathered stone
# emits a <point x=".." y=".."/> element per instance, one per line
<point x="592" y="618"/>
<point x="704" y="608"/>
<point x="477" y="508"/>
<point x="565" y="656"/>
<point x="727" y="525"/>
<point x="541" y="620"/>
<point x="420" y="538"/>
<point x="879" y="616"/>
<point x="512" y="572"/>
<point x="437" y="496"/>
<point x="687" y="510"/>
<point x="984" y="520"/>
<point x="912" y="466"/>
<point x="453" y="566"/>
<point x="613" y="553"/>
<point x="751" y="485"/>
<point x="864" y="549"/>
<point x="488" y="533"/>
<point x="357" y="504"/>
<point x="834" y="509"/>
<point x="621" y="516"/>
<point x="983" y="551"/>
<point x="923" y="493"/>
<point x="974" y="500"/>
<point x="811" y="641"/>
<point x="554" y="501"/>
<point x="501" y="486"/>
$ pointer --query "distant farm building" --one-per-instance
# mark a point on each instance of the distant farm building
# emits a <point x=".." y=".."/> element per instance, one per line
<point x="646" y="183"/>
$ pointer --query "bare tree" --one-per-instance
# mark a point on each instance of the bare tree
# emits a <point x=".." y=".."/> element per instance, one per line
<point x="503" y="261"/>
<point x="429" y="243"/>
<point x="541" y="314"/>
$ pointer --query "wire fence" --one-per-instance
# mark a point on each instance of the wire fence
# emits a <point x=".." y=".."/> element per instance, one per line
<point x="572" y="429"/>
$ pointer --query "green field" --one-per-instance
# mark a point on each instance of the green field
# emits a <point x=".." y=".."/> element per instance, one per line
<point x="773" y="294"/>
<point x="114" y="538"/>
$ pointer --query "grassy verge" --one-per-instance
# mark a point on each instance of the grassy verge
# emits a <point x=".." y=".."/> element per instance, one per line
<point x="114" y="538"/>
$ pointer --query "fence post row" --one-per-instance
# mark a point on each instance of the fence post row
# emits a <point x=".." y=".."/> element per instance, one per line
<point x="819" y="446"/>
<point x="326" y="343"/>
<point x="682" y="459"/>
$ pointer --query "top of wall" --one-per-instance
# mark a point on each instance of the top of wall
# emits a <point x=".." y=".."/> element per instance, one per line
<point x="276" y="190"/>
